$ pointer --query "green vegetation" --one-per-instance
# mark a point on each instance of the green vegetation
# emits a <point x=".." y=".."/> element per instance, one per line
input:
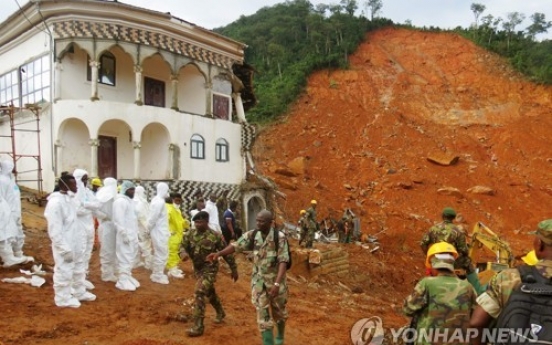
<point x="500" y="35"/>
<point x="289" y="41"/>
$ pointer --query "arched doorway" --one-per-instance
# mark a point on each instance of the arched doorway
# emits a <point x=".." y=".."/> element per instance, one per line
<point x="254" y="206"/>
<point x="73" y="149"/>
<point x="115" y="150"/>
<point x="154" y="153"/>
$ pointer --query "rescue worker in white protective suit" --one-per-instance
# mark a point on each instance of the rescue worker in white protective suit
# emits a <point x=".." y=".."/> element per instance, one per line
<point x="12" y="237"/>
<point x="126" y="224"/>
<point x="68" y="246"/>
<point x="87" y="206"/>
<point x="108" y="234"/>
<point x="158" y="226"/>
<point x="144" y="256"/>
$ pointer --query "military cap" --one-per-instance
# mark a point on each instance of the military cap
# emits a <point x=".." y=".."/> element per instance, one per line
<point x="544" y="231"/>
<point x="443" y="261"/>
<point x="449" y="211"/>
<point x="201" y="215"/>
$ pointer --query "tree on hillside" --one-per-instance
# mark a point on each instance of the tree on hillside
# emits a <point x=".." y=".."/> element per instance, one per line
<point x="374" y="7"/>
<point x="490" y="24"/>
<point x="350" y="6"/>
<point x="514" y="19"/>
<point x="539" y="25"/>
<point x="477" y="9"/>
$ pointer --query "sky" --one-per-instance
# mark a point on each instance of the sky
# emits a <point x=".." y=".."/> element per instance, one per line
<point x="441" y="13"/>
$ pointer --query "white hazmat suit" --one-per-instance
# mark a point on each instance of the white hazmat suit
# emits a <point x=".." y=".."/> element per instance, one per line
<point x="87" y="206"/>
<point x="68" y="246"/>
<point x="158" y="225"/>
<point x="212" y="209"/>
<point x="12" y="238"/>
<point x="144" y="240"/>
<point x="126" y="224"/>
<point x="108" y="234"/>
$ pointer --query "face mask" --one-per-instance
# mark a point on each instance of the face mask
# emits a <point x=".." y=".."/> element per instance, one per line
<point x="71" y="194"/>
<point x="176" y="205"/>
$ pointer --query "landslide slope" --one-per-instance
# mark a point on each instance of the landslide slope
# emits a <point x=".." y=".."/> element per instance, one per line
<point x="361" y="137"/>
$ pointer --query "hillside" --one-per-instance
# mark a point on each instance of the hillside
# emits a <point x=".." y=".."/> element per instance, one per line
<point x="361" y="137"/>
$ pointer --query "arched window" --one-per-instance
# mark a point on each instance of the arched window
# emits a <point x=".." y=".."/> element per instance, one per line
<point x="106" y="71"/>
<point x="221" y="151"/>
<point x="197" y="147"/>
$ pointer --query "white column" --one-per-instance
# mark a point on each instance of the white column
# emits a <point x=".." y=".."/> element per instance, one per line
<point x="239" y="107"/>
<point x="138" y="77"/>
<point x="208" y="100"/>
<point x="59" y="155"/>
<point x="57" y="80"/>
<point x="136" y="145"/>
<point x="174" y="81"/>
<point x="171" y="161"/>
<point x="94" y="143"/>
<point x="94" y="65"/>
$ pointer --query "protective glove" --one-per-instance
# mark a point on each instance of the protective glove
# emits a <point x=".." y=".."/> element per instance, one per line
<point x="67" y="256"/>
<point x="124" y="237"/>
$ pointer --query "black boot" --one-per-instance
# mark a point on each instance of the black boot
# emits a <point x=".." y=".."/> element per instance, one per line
<point x="215" y="302"/>
<point x="197" y="329"/>
<point x="281" y="327"/>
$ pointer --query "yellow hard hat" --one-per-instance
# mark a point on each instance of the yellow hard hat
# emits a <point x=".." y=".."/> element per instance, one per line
<point x="97" y="182"/>
<point x="302" y="212"/>
<point x="530" y="258"/>
<point x="313" y="202"/>
<point x="439" y="248"/>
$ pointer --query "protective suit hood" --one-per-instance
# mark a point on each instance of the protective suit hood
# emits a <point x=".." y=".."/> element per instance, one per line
<point x="79" y="173"/>
<point x="108" y="191"/>
<point x="126" y="186"/>
<point x="140" y="193"/>
<point x="6" y="167"/>
<point x="162" y="190"/>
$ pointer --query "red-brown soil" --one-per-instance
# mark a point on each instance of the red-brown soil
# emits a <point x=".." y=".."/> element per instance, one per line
<point x="358" y="138"/>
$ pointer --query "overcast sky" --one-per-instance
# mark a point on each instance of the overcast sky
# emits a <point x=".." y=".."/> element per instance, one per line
<point x="442" y="13"/>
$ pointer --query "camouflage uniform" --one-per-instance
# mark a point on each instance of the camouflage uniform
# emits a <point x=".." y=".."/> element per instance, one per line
<point x="199" y="244"/>
<point x="348" y="227"/>
<point x="312" y="226"/>
<point x="501" y="286"/>
<point x="303" y="228"/>
<point x="265" y="270"/>
<point x="440" y="302"/>
<point x="448" y="232"/>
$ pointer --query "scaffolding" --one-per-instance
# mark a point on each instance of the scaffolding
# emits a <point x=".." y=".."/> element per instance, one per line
<point x="10" y="111"/>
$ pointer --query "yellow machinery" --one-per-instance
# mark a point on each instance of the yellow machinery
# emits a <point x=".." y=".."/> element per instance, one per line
<point x="481" y="237"/>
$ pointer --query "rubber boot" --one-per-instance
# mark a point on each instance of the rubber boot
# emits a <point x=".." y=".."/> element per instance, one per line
<point x="6" y="253"/>
<point x="215" y="302"/>
<point x="197" y="329"/>
<point x="473" y="279"/>
<point x="279" y="340"/>
<point x="268" y="337"/>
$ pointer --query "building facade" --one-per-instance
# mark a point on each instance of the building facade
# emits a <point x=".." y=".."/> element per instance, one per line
<point x="125" y="92"/>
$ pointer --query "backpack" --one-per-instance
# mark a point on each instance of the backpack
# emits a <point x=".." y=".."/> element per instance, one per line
<point x="251" y="244"/>
<point x="528" y="312"/>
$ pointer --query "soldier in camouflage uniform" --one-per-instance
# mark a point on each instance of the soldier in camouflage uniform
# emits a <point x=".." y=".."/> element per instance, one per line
<point x="198" y="244"/>
<point x="268" y="282"/>
<point x="440" y="302"/>
<point x="303" y="226"/>
<point x="449" y="232"/>
<point x="312" y="224"/>
<point x="501" y="286"/>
